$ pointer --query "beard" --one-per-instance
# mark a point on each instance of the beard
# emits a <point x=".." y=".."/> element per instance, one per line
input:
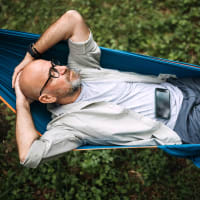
<point x="75" y="85"/>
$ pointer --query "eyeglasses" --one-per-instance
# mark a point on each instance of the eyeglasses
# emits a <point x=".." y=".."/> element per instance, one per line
<point x="53" y="73"/>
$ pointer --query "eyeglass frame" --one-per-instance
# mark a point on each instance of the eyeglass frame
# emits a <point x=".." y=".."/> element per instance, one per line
<point x="51" y="75"/>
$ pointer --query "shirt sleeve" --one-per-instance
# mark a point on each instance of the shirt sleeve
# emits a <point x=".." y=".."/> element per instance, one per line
<point x="52" y="144"/>
<point x="84" y="54"/>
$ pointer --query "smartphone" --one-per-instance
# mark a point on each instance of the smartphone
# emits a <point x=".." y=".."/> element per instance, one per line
<point x="162" y="103"/>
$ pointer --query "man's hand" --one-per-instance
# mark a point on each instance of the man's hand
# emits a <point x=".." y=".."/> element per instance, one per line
<point x="20" y="98"/>
<point x="27" y="59"/>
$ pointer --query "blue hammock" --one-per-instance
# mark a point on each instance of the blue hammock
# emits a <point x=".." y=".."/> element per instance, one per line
<point x="13" y="47"/>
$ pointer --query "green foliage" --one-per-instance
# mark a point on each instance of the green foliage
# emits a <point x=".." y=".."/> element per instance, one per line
<point x="168" y="29"/>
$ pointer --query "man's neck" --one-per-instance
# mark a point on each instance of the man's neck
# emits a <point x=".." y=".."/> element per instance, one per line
<point x="70" y="99"/>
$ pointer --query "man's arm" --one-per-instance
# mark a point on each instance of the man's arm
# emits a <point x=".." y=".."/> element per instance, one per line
<point x="54" y="142"/>
<point x="25" y="129"/>
<point x="70" y="25"/>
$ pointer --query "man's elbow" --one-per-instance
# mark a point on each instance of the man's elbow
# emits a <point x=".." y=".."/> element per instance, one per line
<point x="32" y="157"/>
<point x="73" y="16"/>
<point x="27" y="161"/>
<point x="22" y="157"/>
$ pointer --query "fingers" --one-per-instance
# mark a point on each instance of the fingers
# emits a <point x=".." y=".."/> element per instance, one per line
<point x="15" y="74"/>
<point x="18" y="69"/>
<point x="27" y="59"/>
<point x="16" y="84"/>
<point x="20" y="97"/>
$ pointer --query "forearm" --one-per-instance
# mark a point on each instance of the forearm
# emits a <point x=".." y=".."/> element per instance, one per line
<point x="62" y="29"/>
<point x="25" y="129"/>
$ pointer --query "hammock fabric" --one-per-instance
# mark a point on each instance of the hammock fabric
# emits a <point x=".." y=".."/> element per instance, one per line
<point x="13" y="46"/>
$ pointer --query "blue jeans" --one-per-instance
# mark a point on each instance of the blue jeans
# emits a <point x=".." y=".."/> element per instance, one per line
<point x="188" y="121"/>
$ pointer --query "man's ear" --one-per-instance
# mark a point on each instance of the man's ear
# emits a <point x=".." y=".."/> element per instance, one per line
<point x="46" y="98"/>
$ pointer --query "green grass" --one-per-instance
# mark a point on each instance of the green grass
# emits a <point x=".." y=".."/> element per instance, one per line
<point x="168" y="29"/>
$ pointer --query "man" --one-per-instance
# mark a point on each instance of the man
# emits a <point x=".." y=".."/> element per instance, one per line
<point x="89" y="104"/>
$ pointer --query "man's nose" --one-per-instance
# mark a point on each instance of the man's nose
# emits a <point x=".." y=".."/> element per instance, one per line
<point x="62" y="69"/>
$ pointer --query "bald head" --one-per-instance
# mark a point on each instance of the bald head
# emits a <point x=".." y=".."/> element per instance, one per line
<point x="62" y="89"/>
<point x="33" y="77"/>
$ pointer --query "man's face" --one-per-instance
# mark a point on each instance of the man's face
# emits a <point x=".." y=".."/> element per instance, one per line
<point x="34" y="84"/>
<point x="62" y="81"/>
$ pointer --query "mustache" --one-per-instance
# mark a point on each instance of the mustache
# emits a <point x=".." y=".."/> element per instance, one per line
<point x="75" y="84"/>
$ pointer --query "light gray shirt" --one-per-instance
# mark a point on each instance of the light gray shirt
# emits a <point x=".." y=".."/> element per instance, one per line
<point x="139" y="97"/>
<point x="97" y="122"/>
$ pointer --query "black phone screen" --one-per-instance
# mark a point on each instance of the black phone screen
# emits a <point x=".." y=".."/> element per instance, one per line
<point x="162" y="103"/>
